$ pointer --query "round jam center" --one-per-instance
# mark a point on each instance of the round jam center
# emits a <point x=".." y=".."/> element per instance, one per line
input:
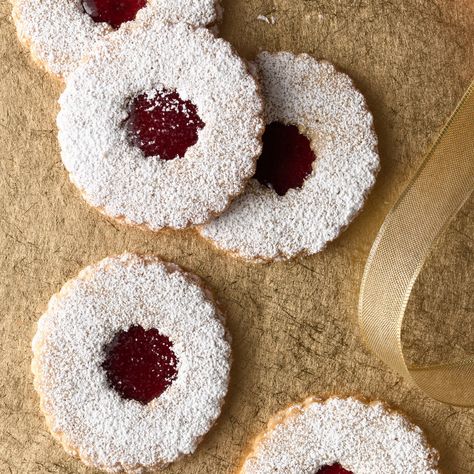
<point x="113" y="12"/>
<point x="161" y="124"/>
<point x="334" y="469"/>
<point x="140" y="365"/>
<point x="286" y="160"/>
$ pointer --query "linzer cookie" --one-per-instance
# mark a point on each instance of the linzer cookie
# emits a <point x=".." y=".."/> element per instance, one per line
<point x="131" y="362"/>
<point x="161" y="127"/>
<point x="60" y="34"/>
<point x="341" y="436"/>
<point x="319" y="162"/>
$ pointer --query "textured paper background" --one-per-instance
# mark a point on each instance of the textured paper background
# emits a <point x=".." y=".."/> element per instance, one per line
<point x="292" y="323"/>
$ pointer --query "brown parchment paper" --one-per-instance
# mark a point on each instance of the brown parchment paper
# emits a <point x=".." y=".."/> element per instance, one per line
<point x="292" y="323"/>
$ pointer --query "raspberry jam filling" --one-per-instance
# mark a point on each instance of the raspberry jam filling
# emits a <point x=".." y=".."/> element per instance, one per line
<point x="161" y="124"/>
<point x="286" y="160"/>
<point x="334" y="469"/>
<point x="140" y="365"/>
<point x="113" y="12"/>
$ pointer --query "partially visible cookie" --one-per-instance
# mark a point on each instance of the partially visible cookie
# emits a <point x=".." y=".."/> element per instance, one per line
<point x="318" y="164"/>
<point x="161" y="127"/>
<point x="341" y="436"/>
<point x="61" y="33"/>
<point x="131" y="362"/>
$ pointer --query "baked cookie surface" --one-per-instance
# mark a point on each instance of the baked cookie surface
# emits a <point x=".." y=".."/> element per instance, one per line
<point x="61" y="34"/>
<point x="341" y="435"/>
<point x="195" y="77"/>
<point x="131" y="362"/>
<point x="310" y="109"/>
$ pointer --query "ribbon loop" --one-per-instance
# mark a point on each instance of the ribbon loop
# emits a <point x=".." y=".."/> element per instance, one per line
<point x="434" y="196"/>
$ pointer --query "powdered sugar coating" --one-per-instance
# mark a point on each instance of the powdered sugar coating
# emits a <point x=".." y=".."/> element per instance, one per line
<point x="363" y="438"/>
<point x="83" y="412"/>
<point x="114" y="175"/>
<point x="60" y="33"/>
<point x="327" y="108"/>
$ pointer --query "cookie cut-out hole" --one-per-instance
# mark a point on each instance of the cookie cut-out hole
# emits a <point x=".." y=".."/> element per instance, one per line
<point x="333" y="469"/>
<point x="161" y="124"/>
<point x="140" y="365"/>
<point x="286" y="160"/>
<point x="113" y="12"/>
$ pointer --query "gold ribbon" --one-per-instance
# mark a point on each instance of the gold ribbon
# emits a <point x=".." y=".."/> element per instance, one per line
<point x="434" y="196"/>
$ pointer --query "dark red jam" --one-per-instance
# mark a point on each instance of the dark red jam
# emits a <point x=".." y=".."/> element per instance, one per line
<point x="286" y="160"/>
<point x="113" y="12"/>
<point x="161" y="124"/>
<point x="140" y="365"/>
<point x="334" y="469"/>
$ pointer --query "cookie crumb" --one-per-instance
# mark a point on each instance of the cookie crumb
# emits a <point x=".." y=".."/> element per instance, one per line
<point x="270" y="20"/>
